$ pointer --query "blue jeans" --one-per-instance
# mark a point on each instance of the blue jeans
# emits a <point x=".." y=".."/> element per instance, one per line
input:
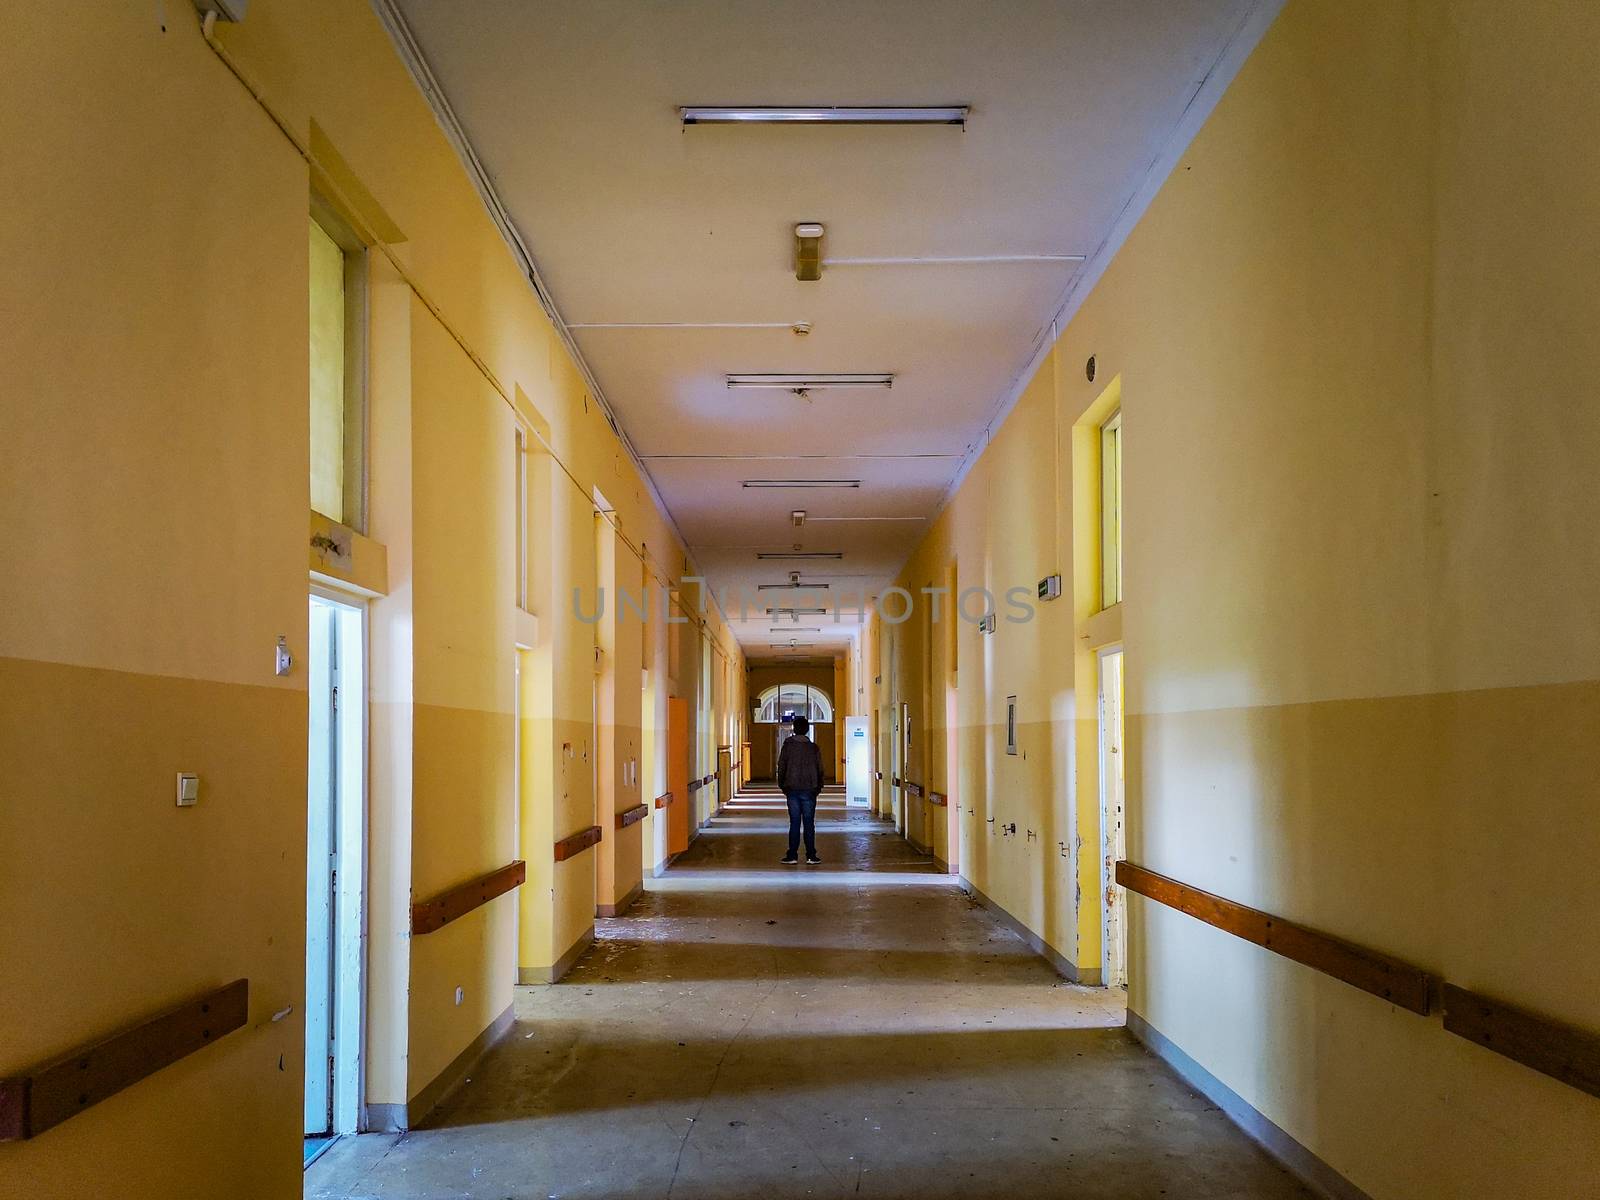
<point x="802" y="811"/>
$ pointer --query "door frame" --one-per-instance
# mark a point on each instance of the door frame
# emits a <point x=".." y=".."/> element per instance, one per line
<point x="352" y="849"/>
<point x="1113" y="833"/>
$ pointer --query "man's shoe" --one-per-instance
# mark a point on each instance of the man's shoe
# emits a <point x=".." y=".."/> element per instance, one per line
<point x="790" y="859"/>
<point x="813" y="861"/>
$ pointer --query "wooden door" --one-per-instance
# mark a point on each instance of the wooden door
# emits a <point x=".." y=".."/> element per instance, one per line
<point x="678" y="774"/>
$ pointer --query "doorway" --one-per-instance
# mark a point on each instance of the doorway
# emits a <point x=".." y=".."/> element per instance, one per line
<point x="523" y="775"/>
<point x="781" y="733"/>
<point x="1113" y="835"/>
<point x="902" y="769"/>
<point x="335" y="867"/>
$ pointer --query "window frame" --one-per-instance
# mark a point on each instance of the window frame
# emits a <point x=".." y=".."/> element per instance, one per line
<point x="520" y="478"/>
<point x="772" y="699"/>
<point x="1111" y="470"/>
<point x="356" y="333"/>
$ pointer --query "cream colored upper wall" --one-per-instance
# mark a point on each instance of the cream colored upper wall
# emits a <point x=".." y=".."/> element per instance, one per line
<point x="145" y="420"/>
<point x="308" y="58"/>
<point x="1512" y="421"/>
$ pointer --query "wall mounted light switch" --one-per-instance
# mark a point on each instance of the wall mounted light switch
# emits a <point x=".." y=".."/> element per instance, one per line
<point x="188" y="790"/>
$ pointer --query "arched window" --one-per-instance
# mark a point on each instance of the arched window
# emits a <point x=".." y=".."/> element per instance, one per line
<point x="787" y="700"/>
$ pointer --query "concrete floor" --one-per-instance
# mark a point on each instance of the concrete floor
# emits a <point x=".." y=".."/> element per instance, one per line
<point x="855" y="1029"/>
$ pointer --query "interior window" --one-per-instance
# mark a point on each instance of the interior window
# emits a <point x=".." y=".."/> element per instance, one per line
<point x="1111" y="511"/>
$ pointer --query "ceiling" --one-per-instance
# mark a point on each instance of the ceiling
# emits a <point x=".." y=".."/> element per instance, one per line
<point x="572" y="107"/>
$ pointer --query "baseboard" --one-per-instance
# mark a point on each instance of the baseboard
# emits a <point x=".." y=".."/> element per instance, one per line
<point x="621" y="906"/>
<point x="1068" y="970"/>
<point x="943" y="867"/>
<point x="396" y="1118"/>
<point x="1299" y="1161"/>
<point x="385" y="1118"/>
<point x="553" y="973"/>
<point x="918" y="846"/>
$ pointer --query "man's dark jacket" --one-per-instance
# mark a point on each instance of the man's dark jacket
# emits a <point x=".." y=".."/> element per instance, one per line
<point x="800" y="765"/>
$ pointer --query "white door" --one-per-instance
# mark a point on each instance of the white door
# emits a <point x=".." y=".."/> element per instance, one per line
<point x="857" y="763"/>
<point x="1112" y="833"/>
<point x="335" y="835"/>
<point x="321" y="791"/>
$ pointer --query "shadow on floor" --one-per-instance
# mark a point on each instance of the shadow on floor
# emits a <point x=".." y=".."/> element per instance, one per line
<point x="620" y="960"/>
<point x="562" y="1069"/>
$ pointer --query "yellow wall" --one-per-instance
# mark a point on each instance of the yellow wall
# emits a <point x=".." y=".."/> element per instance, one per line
<point x="153" y="524"/>
<point x="1363" y="674"/>
<point x="1000" y="532"/>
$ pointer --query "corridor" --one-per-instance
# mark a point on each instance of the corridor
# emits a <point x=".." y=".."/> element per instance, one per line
<point x="861" y="1028"/>
<point x="1136" y="460"/>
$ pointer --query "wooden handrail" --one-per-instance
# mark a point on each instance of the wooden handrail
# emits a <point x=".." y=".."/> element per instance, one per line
<point x="938" y="798"/>
<point x="632" y="815"/>
<point x="897" y="781"/>
<point x="48" y="1095"/>
<point x="696" y="784"/>
<point x="438" y="911"/>
<point x="664" y="799"/>
<point x="1560" y="1051"/>
<point x="1395" y="981"/>
<point x="914" y="788"/>
<point x="571" y="847"/>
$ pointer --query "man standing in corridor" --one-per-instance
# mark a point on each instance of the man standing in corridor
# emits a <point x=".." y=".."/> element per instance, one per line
<point x="800" y="779"/>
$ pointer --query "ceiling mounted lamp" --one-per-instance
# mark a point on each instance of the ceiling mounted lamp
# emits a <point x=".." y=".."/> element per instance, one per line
<point x="800" y="483"/>
<point x="793" y="587"/>
<point x="796" y="629"/>
<point x="798" y="612"/>
<point x="822" y="114"/>
<point x="787" y="382"/>
<point x="782" y="555"/>
<point x="808" y="252"/>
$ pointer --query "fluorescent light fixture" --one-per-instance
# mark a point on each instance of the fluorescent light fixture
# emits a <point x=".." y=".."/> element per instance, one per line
<point x="811" y="518"/>
<point x="813" y="382"/>
<point x="952" y="260"/>
<point x="760" y="114"/>
<point x="792" y="587"/>
<point x="779" y="556"/>
<point x="796" y="629"/>
<point x="792" y="325"/>
<point x="801" y="483"/>
<point x="799" y="612"/>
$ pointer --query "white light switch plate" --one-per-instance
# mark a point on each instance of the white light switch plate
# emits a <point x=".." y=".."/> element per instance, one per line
<point x="188" y="789"/>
